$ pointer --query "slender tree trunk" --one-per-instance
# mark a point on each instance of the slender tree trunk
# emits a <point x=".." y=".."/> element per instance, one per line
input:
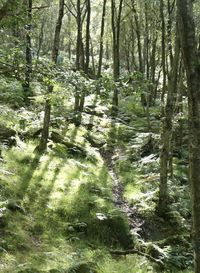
<point x="28" y="68"/>
<point x="87" y="44"/>
<point x="101" y="38"/>
<point x="146" y="45"/>
<point x="116" y="25"/>
<point x="138" y="34"/>
<point x="92" y="55"/>
<point x="170" y="8"/>
<point x="47" y="115"/>
<point x="163" y="49"/>
<point x="41" y="37"/>
<point x="166" y="136"/>
<point x="179" y="108"/>
<point x="69" y="33"/>
<point x="153" y="70"/>
<point x="80" y="62"/>
<point x="191" y="62"/>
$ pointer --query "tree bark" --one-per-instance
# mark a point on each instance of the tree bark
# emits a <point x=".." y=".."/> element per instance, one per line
<point x="28" y="68"/>
<point x="87" y="44"/>
<point x="191" y="62"/>
<point x="40" y="38"/>
<point x="101" y="39"/>
<point x="80" y="60"/>
<point x="138" y="34"/>
<point x="116" y="26"/>
<point x="163" y="49"/>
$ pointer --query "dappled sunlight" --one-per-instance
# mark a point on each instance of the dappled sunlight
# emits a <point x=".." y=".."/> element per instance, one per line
<point x="98" y="163"/>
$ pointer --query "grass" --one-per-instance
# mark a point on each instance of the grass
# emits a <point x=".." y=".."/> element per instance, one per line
<point x="60" y="207"/>
<point x="56" y="209"/>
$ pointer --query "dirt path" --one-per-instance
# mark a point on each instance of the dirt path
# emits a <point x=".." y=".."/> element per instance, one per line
<point x="136" y="222"/>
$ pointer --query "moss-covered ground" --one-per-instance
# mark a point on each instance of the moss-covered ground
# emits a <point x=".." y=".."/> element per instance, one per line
<point x="56" y="209"/>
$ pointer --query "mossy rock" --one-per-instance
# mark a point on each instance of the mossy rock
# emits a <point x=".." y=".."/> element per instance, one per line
<point x="7" y="135"/>
<point x="151" y="146"/>
<point x="119" y="229"/>
<point x="82" y="267"/>
<point x="95" y="141"/>
<point x="72" y="148"/>
<point x="14" y="206"/>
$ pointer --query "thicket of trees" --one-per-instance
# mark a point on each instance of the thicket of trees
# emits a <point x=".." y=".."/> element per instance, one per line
<point x="126" y="41"/>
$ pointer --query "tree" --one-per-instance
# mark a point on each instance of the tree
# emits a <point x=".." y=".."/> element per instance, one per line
<point x="28" y="68"/>
<point x="167" y="129"/>
<point x="116" y="26"/>
<point x="87" y="43"/>
<point x="191" y="61"/>
<point x="54" y="56"/>
<point x="101" y="39"/>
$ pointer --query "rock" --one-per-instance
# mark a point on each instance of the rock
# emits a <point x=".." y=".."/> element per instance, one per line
<point x="80" y="227"/>
<point x="94" y="141"/>
<point x="14" y="206"/>
<point x="150" y="147"/>
<point x="7" y="135"/>
<point x="73" y="149"/>
<point x="94" y="110"/>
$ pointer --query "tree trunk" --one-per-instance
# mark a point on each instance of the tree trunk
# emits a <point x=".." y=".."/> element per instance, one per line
<point x="87" y="44"/>
<point x="101" y="38"/>
<point x="47" y="116"/>
<point x="116" y="25"/>
<point x="28" y="68"/>
<point x="191" y="62"/>
<point x="163" y="49"/>
<point x="80" y="62"/>
<point x="138" y="34"/>
<point x="166" y="136"/>
<point x="41" y="38"/>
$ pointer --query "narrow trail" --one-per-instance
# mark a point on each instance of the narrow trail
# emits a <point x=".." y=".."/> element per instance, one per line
<point x="136" y="222"/>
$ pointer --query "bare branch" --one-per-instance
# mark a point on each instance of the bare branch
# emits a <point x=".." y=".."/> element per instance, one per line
<point x="41" y="7"/>
<point x="70" y="11"/>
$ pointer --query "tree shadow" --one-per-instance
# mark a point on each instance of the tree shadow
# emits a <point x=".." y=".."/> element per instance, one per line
<point x="25" y="177"/>
<point x="44" y="191"/>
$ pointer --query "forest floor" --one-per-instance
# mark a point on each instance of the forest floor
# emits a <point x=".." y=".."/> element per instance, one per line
<point x="89" y="199"/>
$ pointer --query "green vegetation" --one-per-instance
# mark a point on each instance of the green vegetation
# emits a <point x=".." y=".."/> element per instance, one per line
<point x="57" y="209"/>
<point x="99" y="166"/>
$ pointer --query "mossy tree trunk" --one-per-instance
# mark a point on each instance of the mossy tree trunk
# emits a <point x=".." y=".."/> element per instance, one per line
<point x="191" y="62"/>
